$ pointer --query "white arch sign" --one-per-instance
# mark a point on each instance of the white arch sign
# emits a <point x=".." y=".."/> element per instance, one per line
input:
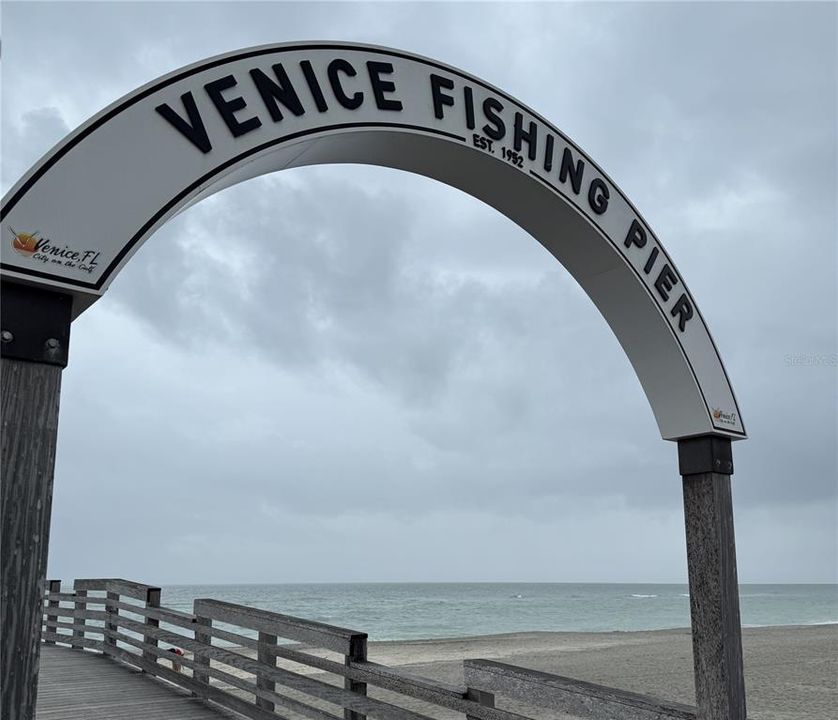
<point x="74" y="220"/>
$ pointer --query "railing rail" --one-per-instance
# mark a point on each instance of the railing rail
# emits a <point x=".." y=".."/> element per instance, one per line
<point x="233" y="655"/>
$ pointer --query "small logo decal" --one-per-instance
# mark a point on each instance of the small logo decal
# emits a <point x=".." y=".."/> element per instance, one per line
<point x="24" y="243"/>
<point x="44" y="251"/>
<point x="724" y="418"/>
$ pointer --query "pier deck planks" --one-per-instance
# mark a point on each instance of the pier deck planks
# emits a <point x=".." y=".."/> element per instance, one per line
<point x="78" y="685"/>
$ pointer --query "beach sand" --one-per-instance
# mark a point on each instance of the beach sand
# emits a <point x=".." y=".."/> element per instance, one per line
<point x="791" y="673"/>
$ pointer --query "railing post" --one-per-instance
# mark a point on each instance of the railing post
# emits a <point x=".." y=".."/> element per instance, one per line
<point x="706" y="464"/>
<point x="266" y="657"/>
<point x="54" y="586"/>
<point x="110" y="627"/>
<point x="201" y="636"/>
<point x="80" y="605"/>
<point x="481" y="697"/>
<point x="152" y="600"/>
<point x="357" y="651"/>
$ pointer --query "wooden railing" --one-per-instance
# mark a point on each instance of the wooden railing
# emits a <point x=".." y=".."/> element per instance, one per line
<point x="239" y="658"/>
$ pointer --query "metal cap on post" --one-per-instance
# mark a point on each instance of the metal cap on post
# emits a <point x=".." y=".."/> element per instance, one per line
<point x="708" y="453"/>
<point x="34" y="324"/>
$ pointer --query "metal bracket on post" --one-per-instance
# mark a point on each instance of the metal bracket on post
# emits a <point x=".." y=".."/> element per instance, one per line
<point x="709" y="453"/>
<point x="706" y="464"/>
<point x="35" y="324"/>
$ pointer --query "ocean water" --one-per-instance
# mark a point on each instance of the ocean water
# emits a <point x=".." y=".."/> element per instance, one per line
<point x="408" y="611"/>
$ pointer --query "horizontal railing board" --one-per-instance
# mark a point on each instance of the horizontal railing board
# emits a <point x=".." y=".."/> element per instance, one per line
<point x="79" y="613"/>
<point x="339" y="696"/>
<point x="282" y="701"/>
<point x="80" y="600"/>
<point x="361" y="671"/>
<point x="157" y="633"/>
<point x="575" y="697"/>
<point x="245" y="685"/>
<point x="138" y="591"/>
<point x="56" y="623"/>
<point x="57" y="630"/>
<point x="235" y="638"/>
<point x="73" y="625"/>
<point x="445" y="695"/>
<point x="74" y="640"/>
<point x="314" y="688"/>
<point x="309" y="686"/>
<point x="402" y="681"/>
<point x="282" y="651"/>
<point x="330" y="637"/>
<point x="128" y="607"/>
<point x="77" y="624"/>
<point x="173" y="617"/>
<point x="60" y="597"/>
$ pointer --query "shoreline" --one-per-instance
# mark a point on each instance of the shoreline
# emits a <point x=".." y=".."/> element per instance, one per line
<point x="526" y="633"/>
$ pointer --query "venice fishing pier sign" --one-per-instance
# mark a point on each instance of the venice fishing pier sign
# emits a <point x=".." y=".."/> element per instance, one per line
<point x="77" y="217"/>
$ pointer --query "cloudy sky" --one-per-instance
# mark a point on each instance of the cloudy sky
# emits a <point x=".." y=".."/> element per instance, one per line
<point x="411" y="387"/>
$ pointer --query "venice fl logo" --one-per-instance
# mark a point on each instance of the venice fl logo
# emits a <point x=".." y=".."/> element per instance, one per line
<point x="726" y="418"/>
<point x="46" y="252"/>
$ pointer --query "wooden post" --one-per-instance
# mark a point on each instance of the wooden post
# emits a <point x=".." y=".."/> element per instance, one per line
<point x="357" y="651"/>
<point x="204" y="638"/>
<point x="152" y="600"/>
<point x="54" y="587"/>
<point x="266" y="657"/>
<point x="706" y="464"/>
<point x="109" y="639"/>
<point x="35" y="336"/>
<point x="481" y="697"/>
<point x="80" y="604"/>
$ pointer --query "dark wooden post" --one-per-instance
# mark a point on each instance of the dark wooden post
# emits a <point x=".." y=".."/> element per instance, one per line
<point x="80" y="605"/>
<point x="266" y="656"/>
<point x="481" y="697"/>
<point x="152" y="600"/>
<point x="54" y="587"/>
<point x="34" y="340"/>
<point x="109" y="639"/>
<point x="706" y="464"/>
<point x="357" y="651"/>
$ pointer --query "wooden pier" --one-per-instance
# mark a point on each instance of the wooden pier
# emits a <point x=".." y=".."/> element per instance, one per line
<point x="79" y="685"/>
<point x="107" y="654"/>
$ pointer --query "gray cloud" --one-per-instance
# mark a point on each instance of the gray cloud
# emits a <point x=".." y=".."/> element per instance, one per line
<point x="341" y="349"/>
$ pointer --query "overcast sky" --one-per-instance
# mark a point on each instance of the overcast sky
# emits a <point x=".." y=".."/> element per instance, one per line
<point x="412" y="388"/>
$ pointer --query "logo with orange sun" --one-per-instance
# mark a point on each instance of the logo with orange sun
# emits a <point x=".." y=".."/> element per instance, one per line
<point x="24" y="243"/>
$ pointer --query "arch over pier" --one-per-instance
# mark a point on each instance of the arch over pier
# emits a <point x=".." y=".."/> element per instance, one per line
<point x="68" y="226"/>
